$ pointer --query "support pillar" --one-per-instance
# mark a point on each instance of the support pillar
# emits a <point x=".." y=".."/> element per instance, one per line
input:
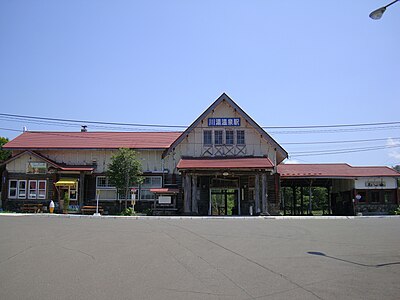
<point x="329" y="200"/>
<point x="257" y="194"/>
<point x="302" y="200"/>
<point x="195" y="208"/>
<point x="310" y="199"/>
<point x="294" y="200"/>
<point x="264" y="204"/>
<point x="81" y="188"/>
<point x="187" y="194"/>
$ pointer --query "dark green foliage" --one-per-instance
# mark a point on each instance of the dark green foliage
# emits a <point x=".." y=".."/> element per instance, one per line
<point x="395" y="211"/>
<point x="319" y="200"/>
<point x="128" y="212"/>
<point x="124" y="171"/>
<point x="4" y="154"/>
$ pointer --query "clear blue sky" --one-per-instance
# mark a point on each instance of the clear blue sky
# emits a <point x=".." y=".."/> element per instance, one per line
<point x="286" y="63"/>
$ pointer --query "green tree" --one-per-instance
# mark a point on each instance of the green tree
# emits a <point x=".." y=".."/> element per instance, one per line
<point x="124" y="171"/>
<point x="4" y="154"/>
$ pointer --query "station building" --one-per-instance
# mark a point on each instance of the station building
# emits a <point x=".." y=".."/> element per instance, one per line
<point x="224" y="163"/>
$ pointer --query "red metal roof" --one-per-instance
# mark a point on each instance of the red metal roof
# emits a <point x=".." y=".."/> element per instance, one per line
<point x="164" y="191"/>
<point x="333" y="170"/>
<point x="226" y="163"/>
<point x="93" y="140"/>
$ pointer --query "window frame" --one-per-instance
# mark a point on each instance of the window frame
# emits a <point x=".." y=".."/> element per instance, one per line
<point x="19" y="189"/>
<point x="230" y="141"/>
<point x="107" y="185"/>
<point x="13" y="189"/>
<point x="39" y="190"/>
<point x="217" y="134"/>
<point x="210" y="137"/>
<point x="30" y="195"/>
<point x="240" y="138"/>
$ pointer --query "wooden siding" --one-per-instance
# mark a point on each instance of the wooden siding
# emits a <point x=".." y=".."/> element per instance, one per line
<point x="151" y="159"/>
<point x="192" y="144"/>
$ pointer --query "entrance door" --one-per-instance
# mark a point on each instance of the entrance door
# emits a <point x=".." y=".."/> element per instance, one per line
<point x="224" y="202"/>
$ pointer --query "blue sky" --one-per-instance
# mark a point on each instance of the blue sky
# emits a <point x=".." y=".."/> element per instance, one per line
<point x="286" y="63"/>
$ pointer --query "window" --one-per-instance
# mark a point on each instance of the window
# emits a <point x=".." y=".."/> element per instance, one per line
<point x="22" y="189"/>
<point x="218" y="137"/>
<point x="41" y="189"/>
<point x="147" y="195"/>
<point x="36" y="189"/>
<point x="207" y="136"/>
<point x="103" y="182"/>
<point x="73" y="195"/>
<point x="12" y="189"/>
<point x="240" y="137"/>
<point x="390" y="196"/>
<point x="374" y="197"/>
<point x="32" y="189"/>
<point x="108" y="192"/>
<point x="104" y="189"/>
<point x="152" y="182"/>
<point x="229" y="137"/>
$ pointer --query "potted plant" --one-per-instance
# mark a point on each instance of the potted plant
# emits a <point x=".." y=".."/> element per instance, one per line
<point x="66" y="203"/>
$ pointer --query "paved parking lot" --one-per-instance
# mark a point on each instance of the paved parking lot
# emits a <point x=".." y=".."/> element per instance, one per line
<point x="102" y="258"/>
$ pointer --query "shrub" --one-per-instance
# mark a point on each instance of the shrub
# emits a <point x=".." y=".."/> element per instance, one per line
<point x="128" y="212"/>
<point x="395" y="211"/>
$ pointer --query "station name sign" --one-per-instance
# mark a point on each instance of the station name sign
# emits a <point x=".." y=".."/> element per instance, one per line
<point x="223" y="121"/>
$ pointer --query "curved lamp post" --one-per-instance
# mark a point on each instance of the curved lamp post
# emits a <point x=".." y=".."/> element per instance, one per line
<point x="377" y="13"/>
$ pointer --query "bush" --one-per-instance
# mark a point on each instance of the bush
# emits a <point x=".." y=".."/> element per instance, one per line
<point x="395" y="211"/>
<point x="128" y="212"/>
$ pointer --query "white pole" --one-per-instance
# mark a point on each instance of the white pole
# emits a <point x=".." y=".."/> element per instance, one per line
<point x="97" y="204"/>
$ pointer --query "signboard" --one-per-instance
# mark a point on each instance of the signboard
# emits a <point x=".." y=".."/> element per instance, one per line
<point x="164" y="200"/>
<point x="36" y="168"/>
<point x="223" y="121"/>
<point x="375" y="183"/>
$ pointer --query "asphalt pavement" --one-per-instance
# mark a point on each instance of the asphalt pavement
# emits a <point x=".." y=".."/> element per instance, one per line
<point x="188" y="258"/>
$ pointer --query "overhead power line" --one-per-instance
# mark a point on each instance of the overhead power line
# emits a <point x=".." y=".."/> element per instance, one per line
<point x="333" y="126"/>
<point x="339" y="142"/>
<point x="340" y="151"/>
<point x="25" y="117"/>
<point x="90" y="122"/>
<point x="66" y="134"/>
<point x="293" y="154"/>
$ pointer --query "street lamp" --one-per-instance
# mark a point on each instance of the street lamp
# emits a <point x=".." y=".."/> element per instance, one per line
<point x="377" y="13"/>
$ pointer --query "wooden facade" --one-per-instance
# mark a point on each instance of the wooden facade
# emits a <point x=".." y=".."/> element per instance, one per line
<point x="224" y="163"/>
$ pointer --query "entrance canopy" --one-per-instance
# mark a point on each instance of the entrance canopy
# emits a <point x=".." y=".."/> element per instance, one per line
<point x="236" y="163"/>
<point x="66" y="182"/>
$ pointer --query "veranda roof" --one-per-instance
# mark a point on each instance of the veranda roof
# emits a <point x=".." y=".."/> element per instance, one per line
<point x="225" y="163"/>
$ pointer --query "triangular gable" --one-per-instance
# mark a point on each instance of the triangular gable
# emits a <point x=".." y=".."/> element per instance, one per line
<point x="224" y="97"/>
<point x="52" y="163"/>
<point x="32" y="153"/>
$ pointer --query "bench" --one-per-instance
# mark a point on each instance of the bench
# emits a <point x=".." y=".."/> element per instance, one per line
<point x="32" y="208"/>
<point x="164" y="211"/>
<point x="90" y="210"/>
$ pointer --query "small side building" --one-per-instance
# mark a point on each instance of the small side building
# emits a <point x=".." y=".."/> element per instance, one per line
<point x="351" y="190"/>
